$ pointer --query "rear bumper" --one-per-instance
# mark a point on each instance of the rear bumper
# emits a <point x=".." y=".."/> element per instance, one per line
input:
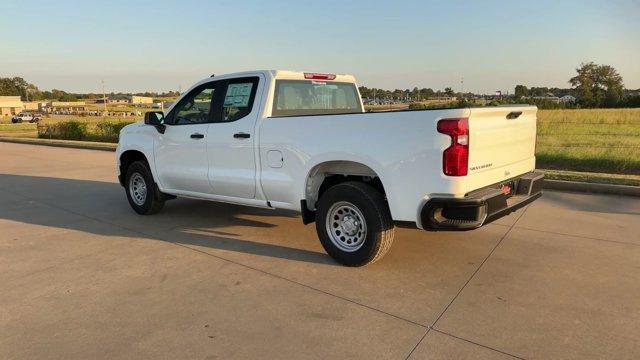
<point x="482" y="206"/>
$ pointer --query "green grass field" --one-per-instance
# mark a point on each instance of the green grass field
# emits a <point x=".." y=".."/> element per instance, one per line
<point x="594" y="140"/>
<point x="18" y="130"/>
<point x="591" y="140"/>
<point x="389" y="107"/>
<point x="89" y="119"/>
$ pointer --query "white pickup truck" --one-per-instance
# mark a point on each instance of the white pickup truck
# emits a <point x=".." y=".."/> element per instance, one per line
<point x="26" y="117"/>
<point x="302" y="141"/>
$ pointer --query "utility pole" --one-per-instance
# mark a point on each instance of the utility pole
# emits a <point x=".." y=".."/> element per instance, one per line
<point x="461" y="84"/>
<point x="104" y="98"/>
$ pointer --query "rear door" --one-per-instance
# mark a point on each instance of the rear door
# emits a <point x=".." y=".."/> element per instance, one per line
<point x="231" y="139"/>
<point x="502" y="143"/>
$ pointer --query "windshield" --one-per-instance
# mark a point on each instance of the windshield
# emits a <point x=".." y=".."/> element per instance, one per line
<point x="308" y="97"/>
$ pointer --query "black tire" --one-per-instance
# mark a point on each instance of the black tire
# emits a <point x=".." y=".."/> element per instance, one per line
<point x="379" y="225"/>
<point x="153" y="200"/>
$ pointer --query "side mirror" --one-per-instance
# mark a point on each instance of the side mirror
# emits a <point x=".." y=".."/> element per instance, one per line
<point x="155" y="118"/>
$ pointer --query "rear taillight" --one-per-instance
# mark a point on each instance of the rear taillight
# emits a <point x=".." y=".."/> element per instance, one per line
<point x="455" y="158"/>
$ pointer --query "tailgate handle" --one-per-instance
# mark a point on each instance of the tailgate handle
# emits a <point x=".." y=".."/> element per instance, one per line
<point x="514" y="115"/>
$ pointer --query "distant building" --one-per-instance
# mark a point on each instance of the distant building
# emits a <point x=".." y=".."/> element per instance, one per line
<point x="118" y="99"/>
<point x="631" y="93"/>
<point x="125" y="99"/>
<point x="568" y="99"/>
<point x="114" y="99"/>
<point x="10" y="105"/>
<point x="64" y="106"/>
<point x="442" y="98"/>
<point x="34" y="105"/>
<point x="136" y="100"/>
<point x="554" y="99"/>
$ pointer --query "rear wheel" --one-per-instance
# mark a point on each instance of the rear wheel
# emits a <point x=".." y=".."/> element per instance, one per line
<point x="354" y="224"/>
<point x="142" y="192"/>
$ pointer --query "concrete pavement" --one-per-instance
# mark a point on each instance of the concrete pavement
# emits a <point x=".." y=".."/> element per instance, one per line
<point x="83" y="276"/>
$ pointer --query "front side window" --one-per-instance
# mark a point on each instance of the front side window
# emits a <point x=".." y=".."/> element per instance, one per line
<point x="195" y="108"/>
<point x="308" y="97"/>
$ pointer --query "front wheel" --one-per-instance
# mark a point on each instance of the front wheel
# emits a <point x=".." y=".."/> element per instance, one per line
<point x="354" y="224"/>
<point x="142" y="192"/>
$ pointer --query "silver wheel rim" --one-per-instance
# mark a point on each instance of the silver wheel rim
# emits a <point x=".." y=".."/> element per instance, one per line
<point x="346" y="226"/>
<point x="138" y="189"/>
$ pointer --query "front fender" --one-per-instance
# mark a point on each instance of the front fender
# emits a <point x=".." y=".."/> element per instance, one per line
<point x="138" y="138"/>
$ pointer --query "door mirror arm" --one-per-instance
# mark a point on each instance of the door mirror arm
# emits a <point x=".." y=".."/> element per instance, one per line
<point x="155" y="119"/>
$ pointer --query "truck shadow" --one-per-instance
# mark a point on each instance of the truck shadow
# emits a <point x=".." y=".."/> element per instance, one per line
<point x="100" y="208"/>
<point x="594" y="203"/>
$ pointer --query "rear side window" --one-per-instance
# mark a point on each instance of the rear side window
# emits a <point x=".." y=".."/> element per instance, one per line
<point x="308" y="97"/>
<point x="238" y="98"/>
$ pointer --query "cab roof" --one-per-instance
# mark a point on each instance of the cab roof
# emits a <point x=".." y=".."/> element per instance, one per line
<point x="283" y="75"/>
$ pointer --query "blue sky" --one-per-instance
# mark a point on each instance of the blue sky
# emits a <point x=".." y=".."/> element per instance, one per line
<point x="161" y="45"/>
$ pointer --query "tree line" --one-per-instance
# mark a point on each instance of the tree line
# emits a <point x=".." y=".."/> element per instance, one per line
<point x="17" y="86"/>
<point x="593" y="86"/>
<point x="399" y="94"/>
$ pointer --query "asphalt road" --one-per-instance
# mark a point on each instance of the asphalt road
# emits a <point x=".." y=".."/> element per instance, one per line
<point x="82" y="276"/>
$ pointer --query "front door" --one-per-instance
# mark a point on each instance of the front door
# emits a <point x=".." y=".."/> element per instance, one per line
<point x="231" y="140"/>
<point x="181" y="152"/>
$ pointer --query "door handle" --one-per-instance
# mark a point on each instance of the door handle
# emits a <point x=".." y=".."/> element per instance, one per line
<point x="241" y="135"/>
<point x="197" y="136"/>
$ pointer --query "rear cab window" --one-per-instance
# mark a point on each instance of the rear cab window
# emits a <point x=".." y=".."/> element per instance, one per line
<point x="312" y="97"/>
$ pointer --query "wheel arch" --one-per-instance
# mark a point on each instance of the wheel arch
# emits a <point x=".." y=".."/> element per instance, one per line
<point x="329" y="173"/>
<point x="127" y="158"/>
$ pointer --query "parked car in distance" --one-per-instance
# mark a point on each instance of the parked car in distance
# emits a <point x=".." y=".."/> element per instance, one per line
<point x="26" y="116"/>
<point x="302" y="141"/>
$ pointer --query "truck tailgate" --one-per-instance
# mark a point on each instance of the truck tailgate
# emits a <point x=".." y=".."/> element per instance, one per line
<point x="502" y="144"/>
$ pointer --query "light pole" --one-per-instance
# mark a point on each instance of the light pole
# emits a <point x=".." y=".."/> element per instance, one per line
<point x="104" y="99"/>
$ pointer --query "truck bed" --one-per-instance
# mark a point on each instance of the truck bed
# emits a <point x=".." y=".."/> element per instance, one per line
<point x="403" y="148"/>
